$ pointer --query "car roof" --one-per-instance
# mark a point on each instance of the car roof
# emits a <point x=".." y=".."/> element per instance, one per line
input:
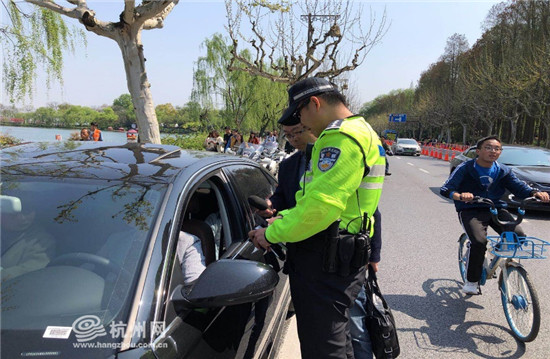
<point x="104" y="161"/>
<point x="505" y="146"/>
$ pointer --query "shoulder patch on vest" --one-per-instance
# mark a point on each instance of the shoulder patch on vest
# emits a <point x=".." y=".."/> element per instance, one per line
<point x="334" y="125"/>
<point x="327" y="158"/>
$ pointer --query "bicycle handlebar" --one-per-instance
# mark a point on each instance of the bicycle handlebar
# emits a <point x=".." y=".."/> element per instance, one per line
<point x="494" y="213"/>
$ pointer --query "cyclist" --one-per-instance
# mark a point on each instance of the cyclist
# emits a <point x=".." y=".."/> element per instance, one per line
<point x="484" y="177"/>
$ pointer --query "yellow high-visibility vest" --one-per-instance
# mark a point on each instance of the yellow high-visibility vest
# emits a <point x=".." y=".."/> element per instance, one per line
<point x="335" y="186"/>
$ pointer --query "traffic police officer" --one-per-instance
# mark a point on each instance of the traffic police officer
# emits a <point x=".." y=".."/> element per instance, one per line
<point x="339" y="194"/>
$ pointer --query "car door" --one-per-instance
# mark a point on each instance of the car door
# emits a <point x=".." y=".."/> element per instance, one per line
<point x="270" y="312"/>
<point x="238" y="331"/>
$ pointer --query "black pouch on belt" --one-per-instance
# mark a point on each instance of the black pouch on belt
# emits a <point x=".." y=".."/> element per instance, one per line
<point x="362" y="243"/>
<point x="346" y="251"/>
<point x="330" y="250"/>
<point x="362" y="250"/>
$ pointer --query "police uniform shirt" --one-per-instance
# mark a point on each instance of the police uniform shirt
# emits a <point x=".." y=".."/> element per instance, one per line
<point x="331" y="183"/>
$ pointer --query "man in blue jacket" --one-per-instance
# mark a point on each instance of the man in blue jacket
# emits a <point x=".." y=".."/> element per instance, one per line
<point x="484" y="177"/>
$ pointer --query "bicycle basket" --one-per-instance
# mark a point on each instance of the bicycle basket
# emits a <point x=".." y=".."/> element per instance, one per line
<point x="510" y="245"/>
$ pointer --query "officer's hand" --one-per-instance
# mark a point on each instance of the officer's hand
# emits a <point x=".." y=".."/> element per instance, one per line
<point x="257" y="237"/>
<point x="273" y="219"/>
<point x="543" y="196"/>
<point x="269" y="212"/>
<point x="374" y="266"/>
<point x="466" y="197"/>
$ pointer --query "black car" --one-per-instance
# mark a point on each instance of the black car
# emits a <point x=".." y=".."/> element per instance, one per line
<point x="530" y="164"/>
<point x="93" y="264"/>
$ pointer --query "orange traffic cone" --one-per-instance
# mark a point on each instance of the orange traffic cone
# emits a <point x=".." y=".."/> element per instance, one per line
<point x="447" y="155"/>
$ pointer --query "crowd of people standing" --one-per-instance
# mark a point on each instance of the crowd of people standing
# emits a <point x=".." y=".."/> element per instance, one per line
<point x="233" y="139"/>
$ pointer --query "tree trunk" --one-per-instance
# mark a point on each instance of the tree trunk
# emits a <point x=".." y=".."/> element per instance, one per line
<point x="547" y="127"/>
<point x="130" y="44"/>
<point x="464" y="132"/>
<point x="513" y="130"/>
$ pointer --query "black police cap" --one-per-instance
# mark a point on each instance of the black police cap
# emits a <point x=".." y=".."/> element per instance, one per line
<point x="300" y="91"/>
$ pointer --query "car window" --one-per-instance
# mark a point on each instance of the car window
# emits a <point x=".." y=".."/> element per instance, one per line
<point x="407" y="142"/>
<point x="518" y="156"/>
<point x="72" y="248"/>
<point x="471" y="153"/>
<point x="248" y="181"/>
<point x="207" y="204"/>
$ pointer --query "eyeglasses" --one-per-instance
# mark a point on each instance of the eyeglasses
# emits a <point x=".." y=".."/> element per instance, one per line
<point x="290" y="136"/>
<point x="492" y="149"/>
<point x="299" y="109"/>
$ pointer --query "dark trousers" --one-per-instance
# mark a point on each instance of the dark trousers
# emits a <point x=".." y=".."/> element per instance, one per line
<point x="475" y="222"/>
<point x="322" y="302"/>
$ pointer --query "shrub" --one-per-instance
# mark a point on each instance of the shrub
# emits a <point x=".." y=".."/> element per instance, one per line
<point x="7" y="140"/>
<point x="190" y="141"/>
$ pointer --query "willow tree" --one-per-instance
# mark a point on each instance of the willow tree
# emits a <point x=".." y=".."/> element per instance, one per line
<point x="33" y="38"/>
<point x="127" y="34"/>
<point x="292" y="41"/>
<point x="247" y="101"/>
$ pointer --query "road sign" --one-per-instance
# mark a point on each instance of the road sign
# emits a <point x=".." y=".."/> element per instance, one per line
<point x="398" y="117"/>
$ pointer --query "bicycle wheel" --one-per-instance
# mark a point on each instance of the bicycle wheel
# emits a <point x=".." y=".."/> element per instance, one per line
<point x="522" y="308"/>
<point x="463" y="254"/>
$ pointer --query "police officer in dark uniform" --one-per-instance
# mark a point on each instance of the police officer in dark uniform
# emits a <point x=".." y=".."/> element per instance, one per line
<point x="326" y="232"/>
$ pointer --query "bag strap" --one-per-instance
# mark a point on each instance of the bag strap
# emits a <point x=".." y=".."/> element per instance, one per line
<point x="372" y="283"/>
<point x="372" y="288"/>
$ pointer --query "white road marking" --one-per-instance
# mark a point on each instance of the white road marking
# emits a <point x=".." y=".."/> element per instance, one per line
<point x="410" y="164"/>
<point x="423" y="170"/>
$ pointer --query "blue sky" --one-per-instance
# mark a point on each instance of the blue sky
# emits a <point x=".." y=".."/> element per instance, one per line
<point x="416" y="38"/>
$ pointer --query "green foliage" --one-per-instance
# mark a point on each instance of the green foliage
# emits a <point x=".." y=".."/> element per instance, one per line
<point x="74" y="116"/>
<point x="45" y="116"/>
<point x="193" y="141"/>
<point x="166" y="114"/>
<point x="33" y="38"/>
<point x="397" y="101"/>
<point x="499" y="86"/>
<point x="107" y="117"/>
<point x="249" y="102"/>
<point x="7" y="140"/>
<point x="124" y="109"/>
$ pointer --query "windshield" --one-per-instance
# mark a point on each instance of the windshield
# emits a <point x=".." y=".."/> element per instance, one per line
<point x="71" y="249"/>
<point x="525" y="157"/>
<point x="407" y="142"/>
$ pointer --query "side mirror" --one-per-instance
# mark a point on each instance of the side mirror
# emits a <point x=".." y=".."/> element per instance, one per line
<point x="227" y="282"/>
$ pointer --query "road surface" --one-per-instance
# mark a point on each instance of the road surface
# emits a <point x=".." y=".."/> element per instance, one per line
<point x="419" y="275"/>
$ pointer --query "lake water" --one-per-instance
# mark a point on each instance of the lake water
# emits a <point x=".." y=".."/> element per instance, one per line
<point x="41" y="134"/>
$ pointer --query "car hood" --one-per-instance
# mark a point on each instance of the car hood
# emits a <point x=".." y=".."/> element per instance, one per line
<point x="539" y="174"/>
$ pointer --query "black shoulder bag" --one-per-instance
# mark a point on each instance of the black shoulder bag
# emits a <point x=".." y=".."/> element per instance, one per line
<point x="379" y="321"/>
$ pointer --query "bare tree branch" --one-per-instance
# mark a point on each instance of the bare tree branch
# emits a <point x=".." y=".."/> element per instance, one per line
<point x="285" y="55"/>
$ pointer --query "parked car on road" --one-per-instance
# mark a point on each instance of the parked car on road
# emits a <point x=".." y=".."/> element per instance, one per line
<point x="406" y="146"/>
<point x="530" y="164"/>
<point x="92" y="263"/>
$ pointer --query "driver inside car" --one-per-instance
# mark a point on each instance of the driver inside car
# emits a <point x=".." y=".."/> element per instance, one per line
<point x="191" y="257"/>
<point x="26" y="246"/>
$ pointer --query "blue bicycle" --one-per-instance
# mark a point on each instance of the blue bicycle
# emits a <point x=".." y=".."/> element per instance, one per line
<point x="519" y="297"/>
